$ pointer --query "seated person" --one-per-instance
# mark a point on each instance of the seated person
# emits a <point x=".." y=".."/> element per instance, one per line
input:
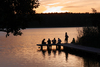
<point x="49" y="41"/>
<point x="59" y="41"/>
<point x="73" y="41"/>
<point x="54" y="41"/>
<point x="43" y="41"/>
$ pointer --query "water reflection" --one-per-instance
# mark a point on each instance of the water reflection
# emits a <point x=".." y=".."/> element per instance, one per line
<point x="23" y="52"/>
<point x="43" y="52"/>
<point x="72" y="58"/>
<point x="91" y="63"/>
<point x="66" y="53"/>
<point x="53" y="51"/>
<point x="49" y="52"/>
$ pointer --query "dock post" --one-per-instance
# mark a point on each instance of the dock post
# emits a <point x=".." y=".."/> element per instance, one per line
<point x="56" y="47"/>
<point x="41" y="47"/>
<point x="65" y="48"/>
<point x="59" y="47"/>
<point x="49" y="47"/>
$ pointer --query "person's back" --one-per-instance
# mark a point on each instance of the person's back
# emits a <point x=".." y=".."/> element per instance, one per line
<point x="43" y="41"/>
<point x="54" y="41"/>
<point x="73" y="41"/>
<point x="59" y="41"/>
<point x="49" y="41"/>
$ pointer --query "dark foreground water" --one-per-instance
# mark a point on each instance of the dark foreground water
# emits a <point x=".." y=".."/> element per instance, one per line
<point x="21" y="51"/>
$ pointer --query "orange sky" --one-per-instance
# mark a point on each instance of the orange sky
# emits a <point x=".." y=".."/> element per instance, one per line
<point x="75" y="6"/>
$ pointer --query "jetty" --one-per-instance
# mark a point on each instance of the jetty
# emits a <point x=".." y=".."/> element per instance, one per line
<point x="72" y="46"/>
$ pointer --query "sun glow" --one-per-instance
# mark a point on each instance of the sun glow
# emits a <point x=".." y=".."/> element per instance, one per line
<point x="74" y="6"/>
<point x="54" y="9"/>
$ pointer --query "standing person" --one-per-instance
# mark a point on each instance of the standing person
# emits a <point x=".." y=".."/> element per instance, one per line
<point x="54" y="41"/>
<point x="43" y="41"/>
<point x="49" y="41"/>
<point x="66" y="37"/>
<point x="59" y="41"/>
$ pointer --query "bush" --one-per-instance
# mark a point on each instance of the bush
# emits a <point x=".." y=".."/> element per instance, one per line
<point x="89" y="36"/>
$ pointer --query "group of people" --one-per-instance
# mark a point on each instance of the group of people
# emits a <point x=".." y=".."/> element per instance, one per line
<point x="53" y="41"/>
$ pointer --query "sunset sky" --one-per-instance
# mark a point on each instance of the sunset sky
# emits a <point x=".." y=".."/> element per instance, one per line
<point x="75" y="6"/>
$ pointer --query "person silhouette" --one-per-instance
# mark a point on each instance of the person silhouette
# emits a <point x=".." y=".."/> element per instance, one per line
<point x="54" y="41"/>
<point x="59" y="41"/>
<point x="49" y="41"/>
<point x="66" y="37"/>
<point x="43" y="41"/>
<point x="73" y="41"/>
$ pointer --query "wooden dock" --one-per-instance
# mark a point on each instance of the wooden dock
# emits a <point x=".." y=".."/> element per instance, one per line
<point x="78" y="47"/>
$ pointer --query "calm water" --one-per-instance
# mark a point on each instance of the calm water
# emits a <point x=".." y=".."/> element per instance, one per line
<point x="21" y="51"/>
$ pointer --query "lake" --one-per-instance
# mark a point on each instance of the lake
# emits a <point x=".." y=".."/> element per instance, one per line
<point x="21" y="51"/>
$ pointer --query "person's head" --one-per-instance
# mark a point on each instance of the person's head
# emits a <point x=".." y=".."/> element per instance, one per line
<point x="73" y="38"/>
<point x="43" y="39"/>
<point x="66" y="32"/>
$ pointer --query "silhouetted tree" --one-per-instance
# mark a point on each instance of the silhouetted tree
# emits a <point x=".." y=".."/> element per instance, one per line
<point x="14" y="15"/>
<point x="94" y="10"/>
<point x="89" y="36"/>
<point x="96" y="20"/>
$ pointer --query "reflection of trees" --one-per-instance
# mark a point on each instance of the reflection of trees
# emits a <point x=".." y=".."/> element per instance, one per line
<point x="14" y="15"/>
<point x="91" y="63"/>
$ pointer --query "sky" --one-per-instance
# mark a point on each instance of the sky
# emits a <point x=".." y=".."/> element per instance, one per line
<point x="75" y="6"/>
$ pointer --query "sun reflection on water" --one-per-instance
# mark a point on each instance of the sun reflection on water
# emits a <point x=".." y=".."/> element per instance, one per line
<point x="21" y="51"/>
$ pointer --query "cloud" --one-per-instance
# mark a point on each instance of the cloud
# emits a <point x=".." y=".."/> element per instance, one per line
<point x="46" y="2"/>
<point x="73" y="6"/>
<point x="54" y="9"/>
<point x="68" y="2"/>
<point x="54" y="3"/>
